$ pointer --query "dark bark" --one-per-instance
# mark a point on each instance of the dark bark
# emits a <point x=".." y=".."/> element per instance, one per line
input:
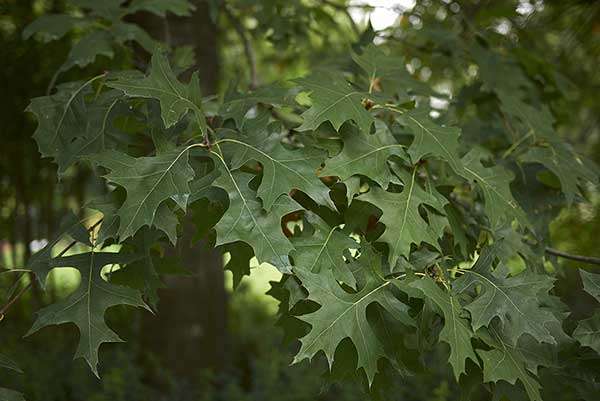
<point x="189" y="332"/>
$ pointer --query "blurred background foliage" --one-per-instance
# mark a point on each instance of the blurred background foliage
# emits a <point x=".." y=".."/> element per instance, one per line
<point x="557" y="42"/>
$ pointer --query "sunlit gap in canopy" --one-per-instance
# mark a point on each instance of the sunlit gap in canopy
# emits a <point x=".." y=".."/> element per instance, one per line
<point x="382" y="13"/>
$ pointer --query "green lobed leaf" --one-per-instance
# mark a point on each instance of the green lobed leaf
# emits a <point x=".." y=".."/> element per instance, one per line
<point x="400" y="214"/>
<point x="565" y="164"/>
<point x="365" y="154"/>
<point x="321" y="247"/>
<point x="494" y="183"/>
<point x="245" y="220"/>
<point x="588" y="332"/>
<point x="514" y="300"/>
<point x="149" y="181"/>
<point x="51" y="27"/>
<point x="591" y="283"/>
<point x="457" y="332"/>
<point x="509" y="363"/>
<point x="175" y="97"/>
<point x="344" y="314"/>
<point x="431" y="139"/>
<point x="236" y="105"/>
<point x="68" y="127"/>
<point x="391" y="72"/>
<point x="88" y="48"/>
<point x="283" y="169"/>
<point x="85" y="307"/>
<point x="334" y="100"/>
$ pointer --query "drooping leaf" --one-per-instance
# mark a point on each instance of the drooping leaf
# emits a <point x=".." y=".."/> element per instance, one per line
<point x="344" y="314"/>
<point x="494" y="183"/>
<point x="365" y="154"/>
<point x="320" y="247"/>
<point x="175" y="97"/>
<point x="511" y="299"/>
<point x="85" y="307"/>
<point x="400" y="214"/>
<point x="457" y="332"/>
<point x="149" y="181"/>
<point x="283" y="169"/>
<point x="334" y="100"/>
<point x="245" y="220"/>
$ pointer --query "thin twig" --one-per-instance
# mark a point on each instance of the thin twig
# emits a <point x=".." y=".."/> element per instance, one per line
<point x="580" y="258"/>
<point x="239" y="28"/>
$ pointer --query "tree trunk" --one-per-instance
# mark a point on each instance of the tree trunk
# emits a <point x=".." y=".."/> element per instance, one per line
<point x="189" y="332"/>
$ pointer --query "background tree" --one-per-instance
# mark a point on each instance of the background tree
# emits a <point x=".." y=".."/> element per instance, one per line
<point x="503" y="72"/>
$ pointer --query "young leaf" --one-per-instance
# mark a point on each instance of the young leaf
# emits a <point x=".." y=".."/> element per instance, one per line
<point x="86" y="306"/>
<point x="456" y="332"/>
<point x="344" y="314"/>
<point x="334" y="100"/>
<point x="403" y="223"/>
<point x="161" y="83"/>
<point x="149" y="181"/>
<point x="245" y="220"/>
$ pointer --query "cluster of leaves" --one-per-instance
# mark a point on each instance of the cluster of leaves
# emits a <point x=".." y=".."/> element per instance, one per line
<point x="392" y="229"/>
